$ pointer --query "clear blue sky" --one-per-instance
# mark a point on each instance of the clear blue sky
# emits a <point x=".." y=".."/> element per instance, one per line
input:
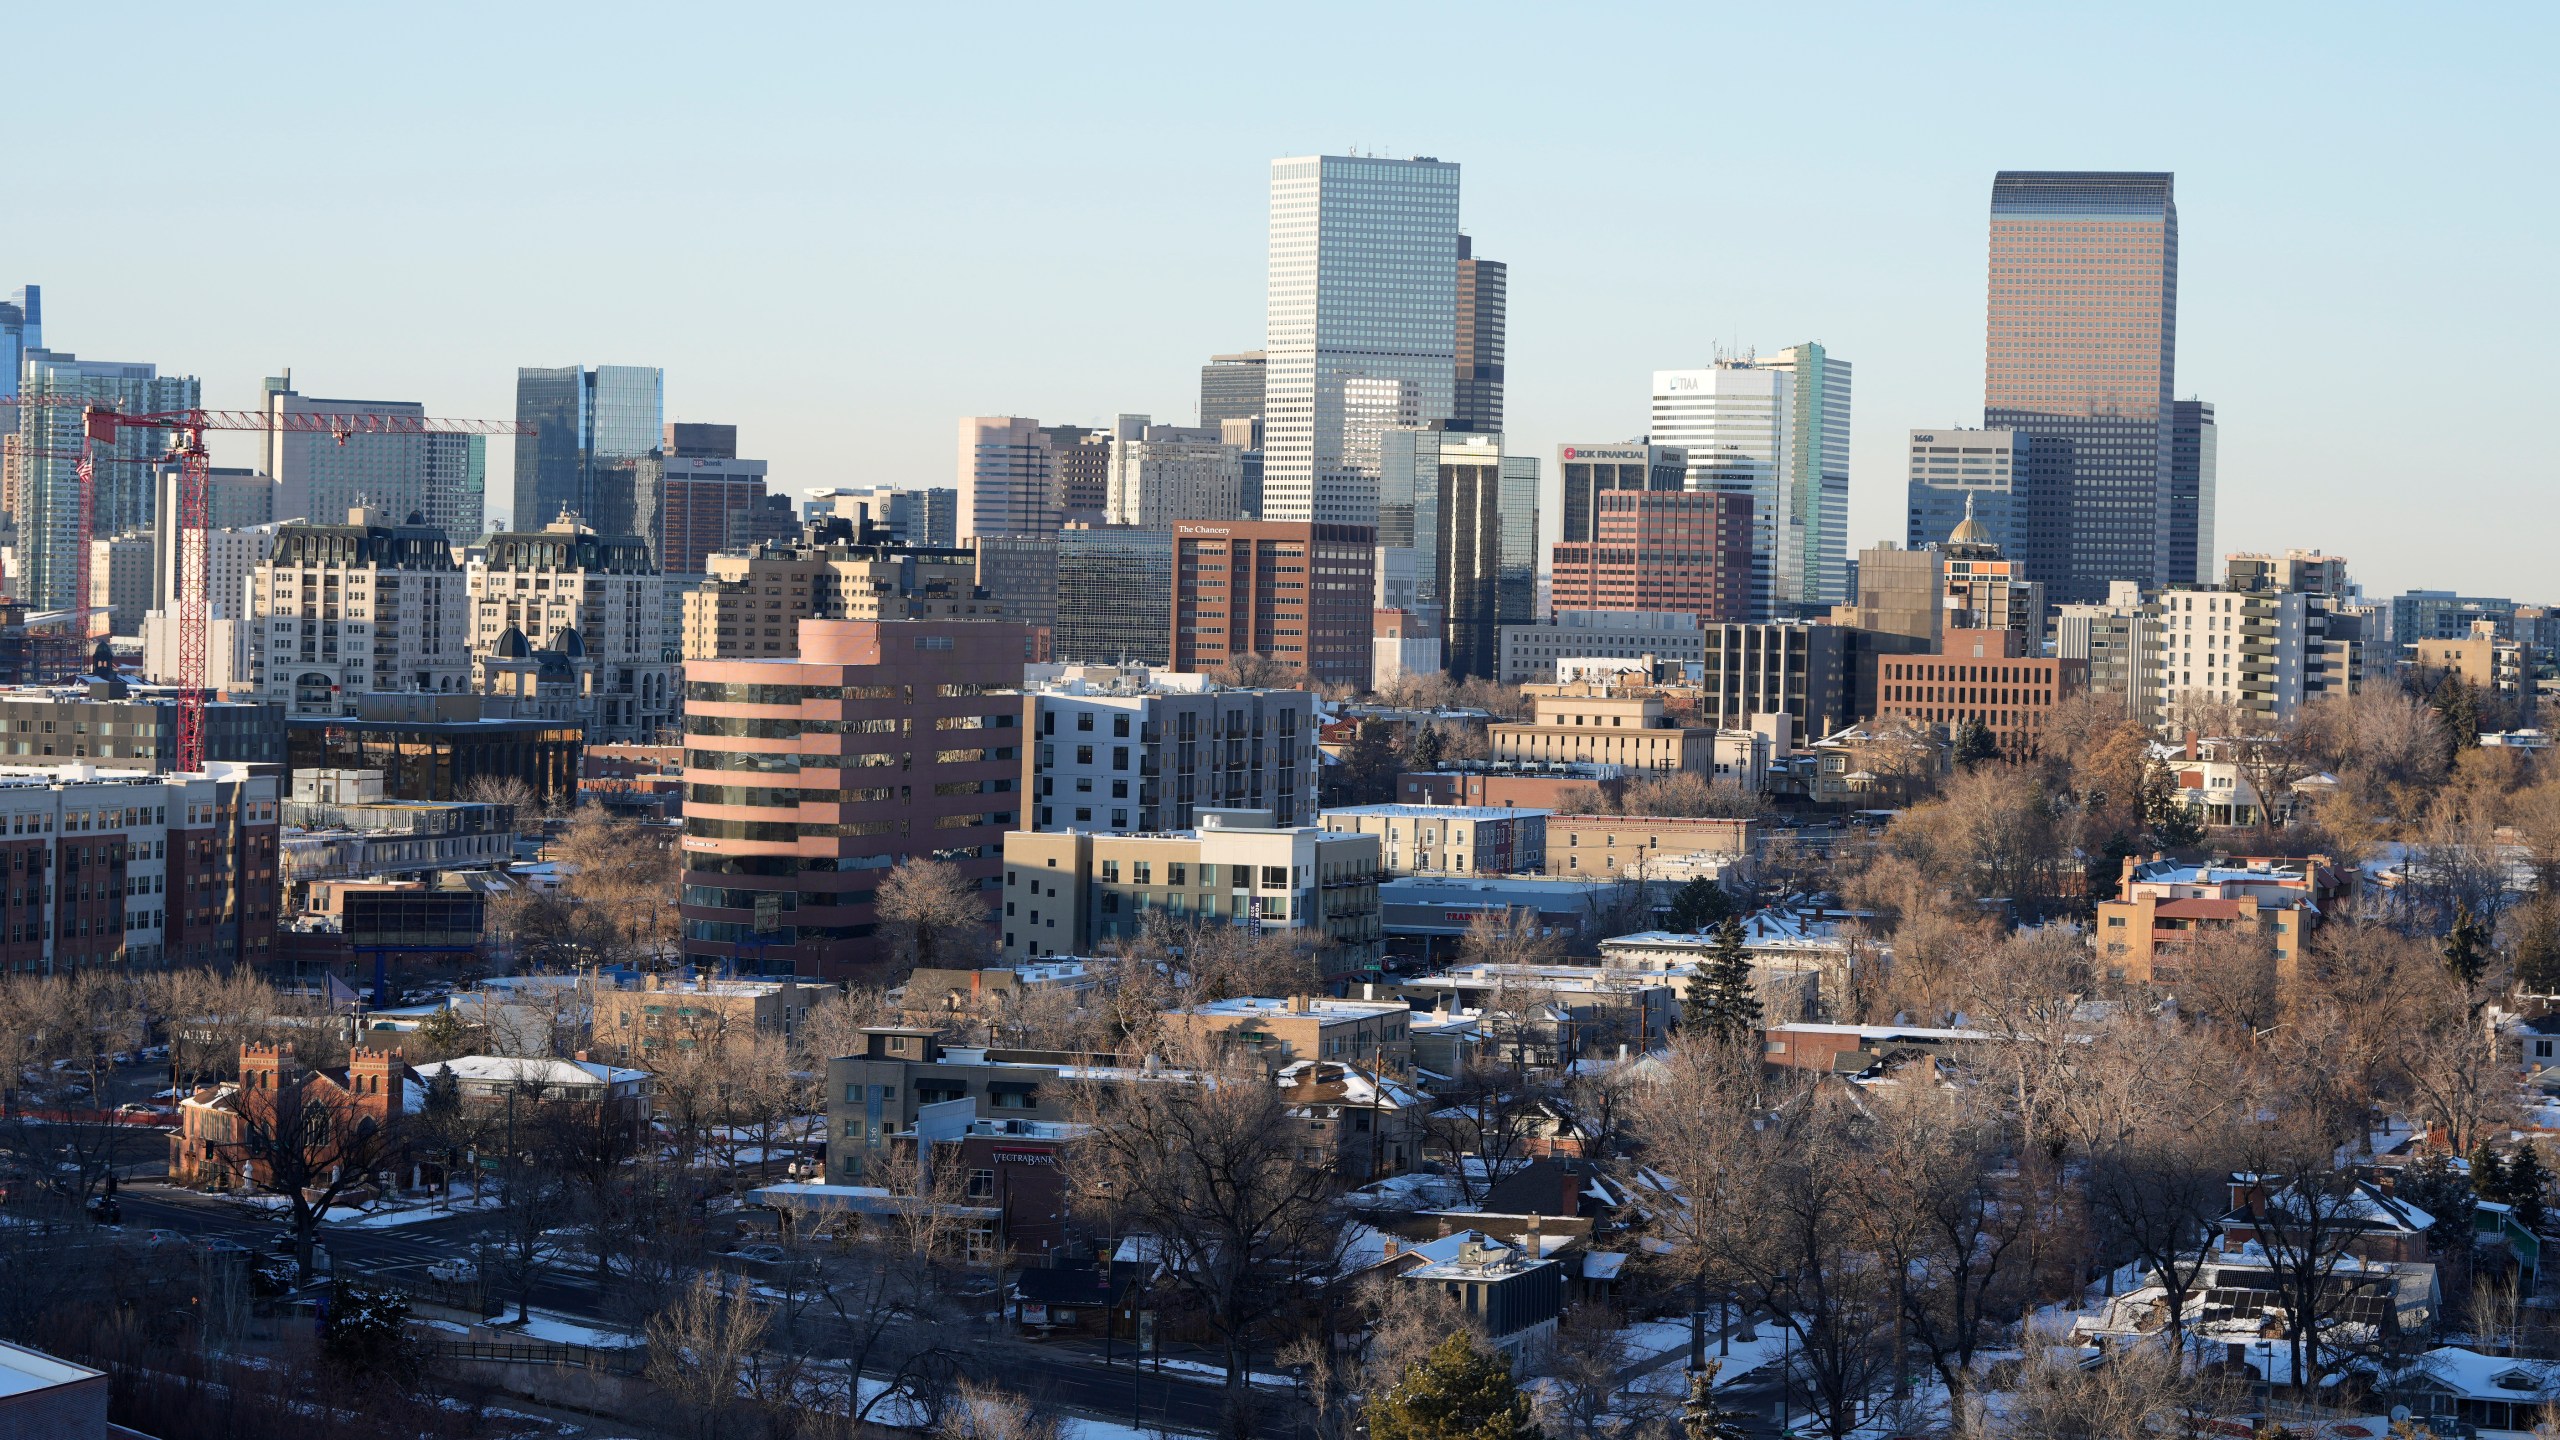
<point x="844" y="227"/>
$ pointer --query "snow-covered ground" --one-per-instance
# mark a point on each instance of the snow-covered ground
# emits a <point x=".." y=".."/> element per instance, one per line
<point x="560" y="1330"/>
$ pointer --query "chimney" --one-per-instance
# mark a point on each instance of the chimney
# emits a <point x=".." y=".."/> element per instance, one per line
<point x="1300" y="1005"/>
<point x="580" y="1057"/>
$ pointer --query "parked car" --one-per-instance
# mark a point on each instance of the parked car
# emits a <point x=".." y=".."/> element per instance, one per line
<point x="760" y="1254"/>
<point x="218" y="1247"/>
<point x="454" y="1272"/>
<point x="135" y="1109"/>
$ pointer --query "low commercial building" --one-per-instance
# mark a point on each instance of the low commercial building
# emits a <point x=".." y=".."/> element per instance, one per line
<point x="1603" y="723"/>
<point x="1530" y="653"/>
<point x="1605" y="847"/>
<point x="1554" y="785"/>
<point x="1572" y="1012"/>
<point x="1371" y="1033"/>
<point x="432" y="747"/>
<point x="1449" y="839"/>
<point x="339" y="825"/>
<point x="1067" y="894"/>
<point x="1424" y="914"/>
<point x="934" y="988"/>
<point x="645" y="1026"/>
<point x="1512" y="1294"/>
<point x="608" y="1095"/>
<point x="875" y="1095"/>
<point x="1127" y="750"/>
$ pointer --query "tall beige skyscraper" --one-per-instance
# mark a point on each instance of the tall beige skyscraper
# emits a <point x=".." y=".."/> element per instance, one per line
<point x="2082" y="357"/>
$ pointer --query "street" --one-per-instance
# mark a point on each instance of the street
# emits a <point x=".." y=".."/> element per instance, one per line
<point x="402" y="1253"/>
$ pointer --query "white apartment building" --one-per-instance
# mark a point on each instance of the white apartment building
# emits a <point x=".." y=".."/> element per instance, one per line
<point x="337" y="611"/>
<point x="1174" y="472"/>
<point x="232" y="558"/>
<point x="2259" y="651"/>
<point x="1738" y="423"/>
<point x="598" y="602"/>
<point x="1121" y="753"/>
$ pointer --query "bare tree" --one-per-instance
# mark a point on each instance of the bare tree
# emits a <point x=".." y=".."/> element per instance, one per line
<point x="935" y="914"/>
<point x="1237" y="1223"/>
<point x="703" y="1348"/>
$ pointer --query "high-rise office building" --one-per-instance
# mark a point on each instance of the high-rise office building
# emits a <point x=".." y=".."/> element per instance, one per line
<point x="1658" y="550"/>
<point x="21" y="330"/>
<point x="1007" y="479"/>
<point x="457" y="485"/>
<point x="1736" y="420"/>
<point x="1591" y="471"/>
<point x="1115" y="595"/>
<point x="1817" y="481"/>
<point x="1960" y="472"/>
<point x="1231" y="388"/>
<point x="320" y="477"/>
<point x="1484" y="287"/>
<point x="1362" y="324"/>
<point x="913" y="516"/>
<point x="1484" y="561"/>
<point x="2082" y="356"/>
<point x="1167" y="473"/>
<point x="122" y="497"/>
<point x="589" y="421"/>
<point x="2193" y="442"/>
<point x="1296" y="594"/>
<point x="1080" y="467"/>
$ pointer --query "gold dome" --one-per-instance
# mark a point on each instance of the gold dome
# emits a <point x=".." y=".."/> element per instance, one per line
<point x="1970" y="531"/>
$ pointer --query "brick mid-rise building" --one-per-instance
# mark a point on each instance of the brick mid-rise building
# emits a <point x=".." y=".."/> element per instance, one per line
<point x="1661" y="550"/>
<point x="1297" y="594"/>
<point x="1979" y="675"/>
<point x="136" y="869"/>
<point x="806" y="780"/>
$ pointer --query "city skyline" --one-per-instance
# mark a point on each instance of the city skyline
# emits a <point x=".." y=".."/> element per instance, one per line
<point x="790" y="332"/>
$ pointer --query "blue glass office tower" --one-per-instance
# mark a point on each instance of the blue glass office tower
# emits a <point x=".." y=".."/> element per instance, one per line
<point x="591" y="428"/>
<point x="21" y="330"/>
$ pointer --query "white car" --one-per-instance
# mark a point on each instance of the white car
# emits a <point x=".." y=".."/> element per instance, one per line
<point x="454" y="1272"/>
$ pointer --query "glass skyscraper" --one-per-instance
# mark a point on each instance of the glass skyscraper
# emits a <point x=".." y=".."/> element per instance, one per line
<point x="1362" y="325"/>
<point x="1817" y="478"/>
<point x="123" y="496"/>
<point x="1484" y="308"/>
<point x="21" y="330"/>
<point x="2082" y="357"/>
<point x="592" y="428"/>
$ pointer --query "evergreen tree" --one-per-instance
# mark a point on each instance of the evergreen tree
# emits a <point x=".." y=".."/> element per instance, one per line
<point x="1701" y="1418"/>
<point x="2526" y="1181"/>
<point x="1457" y="1392"/>
<point x="2433" y="1185"/>
<point x="2466" y="948"/>
<point x="2488" y="1173"/>
<point x="1975" y="743"/>
<point x="1698" y="905"/>
<point x="2174" y="824"/>
<point x="2459" y="710"/>
<point x="1427" y="748"/>
<point x="2537" y="946"/>
<point x="1720" y="1000"/>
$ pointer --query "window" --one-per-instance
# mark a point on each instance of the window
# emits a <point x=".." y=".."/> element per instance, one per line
<point x="982" y="1184"/>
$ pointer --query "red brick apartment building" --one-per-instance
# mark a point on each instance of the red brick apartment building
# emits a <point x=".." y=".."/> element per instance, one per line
<point x="1295" y="593"/>
<point x="807" y="779"/>
<point x="1984" y="675"/>
<point x="1684" y="550"/>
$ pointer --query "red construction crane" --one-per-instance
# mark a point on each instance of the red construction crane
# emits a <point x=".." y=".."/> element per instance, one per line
<point x="100" y="425"/>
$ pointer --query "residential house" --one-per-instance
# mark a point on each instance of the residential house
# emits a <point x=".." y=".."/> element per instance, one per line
<point x="610" y="1093"/>
<point x="1307" y="1027"/>
<point x="1356" y="1122"/>
<point x="643" y="1026"/>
